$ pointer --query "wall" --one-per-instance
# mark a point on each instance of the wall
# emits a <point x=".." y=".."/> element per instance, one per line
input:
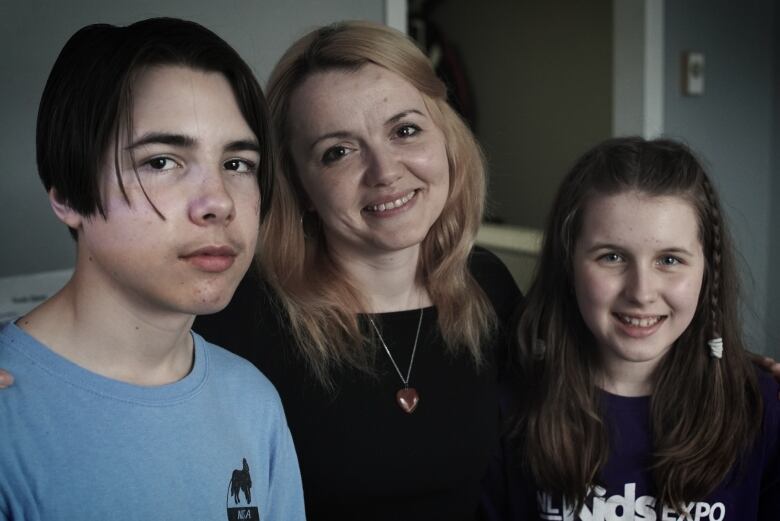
<point x="731" y="126"/>
<point x="542" y="76"/>
<point x="638" y="68"/>
<point x="773" y="297"/>
<point x="31" y="34"/>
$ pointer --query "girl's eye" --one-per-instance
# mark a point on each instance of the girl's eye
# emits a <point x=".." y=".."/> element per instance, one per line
<point x="611" y="257"/>
<point x="334" y="154"/>
<point x="240" y="166"/>
<point x="162" y="163"/>
<point x="669" y="260"/>
<point x="405" y="131"/>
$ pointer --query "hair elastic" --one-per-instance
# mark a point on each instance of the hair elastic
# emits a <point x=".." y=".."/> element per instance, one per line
<point x="716" y="347"/>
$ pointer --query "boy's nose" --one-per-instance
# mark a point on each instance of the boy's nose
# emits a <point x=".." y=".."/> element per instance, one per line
<point x="212" y="203"/>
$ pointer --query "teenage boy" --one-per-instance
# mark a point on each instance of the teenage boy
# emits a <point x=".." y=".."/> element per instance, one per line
<point x="153" y="145"/>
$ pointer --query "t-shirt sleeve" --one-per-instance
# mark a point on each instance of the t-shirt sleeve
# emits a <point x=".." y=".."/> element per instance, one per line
<point x="285" y="490"/>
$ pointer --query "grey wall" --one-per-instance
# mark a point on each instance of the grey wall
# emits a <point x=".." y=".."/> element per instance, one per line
<point x="731" y="126"/>
<point x="32" y="32"/>
<point x="542" y="78"/>
<point x="773" y="297"/>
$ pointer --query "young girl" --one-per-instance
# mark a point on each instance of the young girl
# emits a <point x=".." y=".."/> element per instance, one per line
<point x="637" y="400"/>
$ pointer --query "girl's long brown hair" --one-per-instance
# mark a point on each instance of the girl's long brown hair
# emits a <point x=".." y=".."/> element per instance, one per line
<point x="321" y="302"/>
<point x="705" y="412"/>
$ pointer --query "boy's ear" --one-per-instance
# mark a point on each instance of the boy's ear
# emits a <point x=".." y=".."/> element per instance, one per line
<point x="63" y="211"/>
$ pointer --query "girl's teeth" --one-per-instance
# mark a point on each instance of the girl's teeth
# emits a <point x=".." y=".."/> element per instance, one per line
<point x="639" y="322"/>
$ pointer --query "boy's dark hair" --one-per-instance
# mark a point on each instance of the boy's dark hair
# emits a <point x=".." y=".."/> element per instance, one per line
<point x="705" y="412"/>
<point x="88" y="99"/>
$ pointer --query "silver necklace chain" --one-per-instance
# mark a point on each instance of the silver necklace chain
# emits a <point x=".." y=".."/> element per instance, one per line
<point x="387" y="350"/>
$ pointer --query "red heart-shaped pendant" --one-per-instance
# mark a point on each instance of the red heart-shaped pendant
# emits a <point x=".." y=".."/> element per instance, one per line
<point x="407" y="399"/>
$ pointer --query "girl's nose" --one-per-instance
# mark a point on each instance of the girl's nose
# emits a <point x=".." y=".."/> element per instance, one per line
<point x="640" y="286"/>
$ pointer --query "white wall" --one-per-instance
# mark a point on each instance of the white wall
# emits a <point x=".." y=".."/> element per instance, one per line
<point x="32" y="32"/>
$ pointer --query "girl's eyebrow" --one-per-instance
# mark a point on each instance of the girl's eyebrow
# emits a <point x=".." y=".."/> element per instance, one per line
<point x="184" y="141"/>
<point x="677" y="250"/>
<point x="603" y="246"/>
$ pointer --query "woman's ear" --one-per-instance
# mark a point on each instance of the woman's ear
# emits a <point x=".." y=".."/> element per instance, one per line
<point x="70" y="217"/>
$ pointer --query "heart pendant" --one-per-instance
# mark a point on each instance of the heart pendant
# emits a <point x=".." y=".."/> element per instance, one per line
<point x="407" y="399"/>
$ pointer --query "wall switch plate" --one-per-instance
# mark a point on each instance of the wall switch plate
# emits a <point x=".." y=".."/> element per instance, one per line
<point x="693" y="73"/>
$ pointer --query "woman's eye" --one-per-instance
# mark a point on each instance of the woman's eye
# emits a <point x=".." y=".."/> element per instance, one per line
<point x="334" y="154"/>
<point x="407" y="131"/>
<point x="241" y="166"/>
<point x="162" y="163"/>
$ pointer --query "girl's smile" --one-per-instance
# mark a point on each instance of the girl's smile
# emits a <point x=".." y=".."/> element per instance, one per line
<point x="638" y="269"/>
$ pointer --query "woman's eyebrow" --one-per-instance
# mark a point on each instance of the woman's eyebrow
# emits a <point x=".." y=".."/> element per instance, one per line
<point x="402" y="115"/>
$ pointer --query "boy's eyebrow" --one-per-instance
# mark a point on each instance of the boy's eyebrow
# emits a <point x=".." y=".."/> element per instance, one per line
<point x="162" y="138"/>
<point x="181" y="140"/>
<point x="243" y="144"/>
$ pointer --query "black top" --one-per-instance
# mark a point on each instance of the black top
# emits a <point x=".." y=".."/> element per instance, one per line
<point x="361" y="456"/>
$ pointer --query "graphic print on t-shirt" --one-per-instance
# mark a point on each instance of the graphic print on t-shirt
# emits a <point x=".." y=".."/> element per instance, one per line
<point x="240" y="487"/>
<point x="619" y="507"/>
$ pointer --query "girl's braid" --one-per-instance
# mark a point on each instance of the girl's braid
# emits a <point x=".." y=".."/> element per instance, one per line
<point x="715" y="236"/>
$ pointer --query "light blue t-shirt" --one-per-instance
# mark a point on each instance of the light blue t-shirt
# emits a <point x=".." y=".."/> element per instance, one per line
<point x="76" y="445"/>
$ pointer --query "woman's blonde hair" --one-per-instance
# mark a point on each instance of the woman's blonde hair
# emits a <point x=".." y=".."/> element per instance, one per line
<point x="318" y="297"/>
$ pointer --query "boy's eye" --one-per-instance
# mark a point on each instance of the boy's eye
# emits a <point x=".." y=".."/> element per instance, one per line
<point x="407" y="131"/>
<point x="162" y="163"/>
<point x="241" y="166"/>
<point x="334" y="154"/>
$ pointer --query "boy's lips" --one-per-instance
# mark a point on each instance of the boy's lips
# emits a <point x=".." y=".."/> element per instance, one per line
<point x="212" y="259"/>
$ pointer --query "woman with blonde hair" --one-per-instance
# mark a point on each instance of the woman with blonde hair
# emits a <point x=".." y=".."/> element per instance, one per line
<point x="372" y="311"/>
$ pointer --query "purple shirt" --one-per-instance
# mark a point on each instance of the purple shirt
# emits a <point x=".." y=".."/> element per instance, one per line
<point x="628" y="491"/>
